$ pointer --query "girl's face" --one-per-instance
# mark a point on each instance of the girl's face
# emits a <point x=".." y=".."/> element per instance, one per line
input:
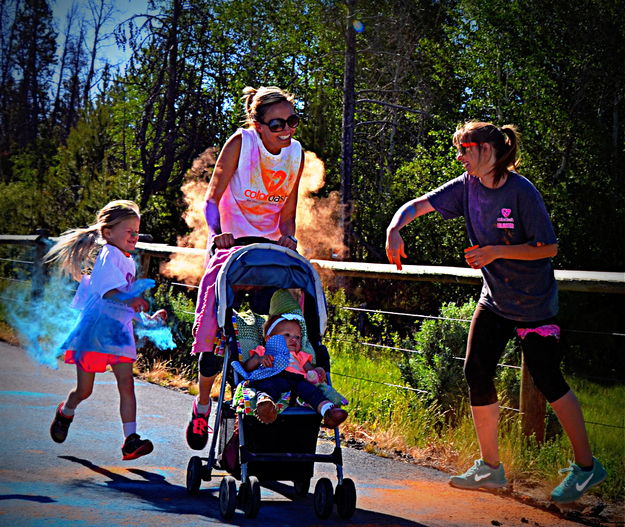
<point x="124" y="235"/>
<point x="292" y="333"/>
<point x="276" y="141"/>
<point x="477" y="159"/>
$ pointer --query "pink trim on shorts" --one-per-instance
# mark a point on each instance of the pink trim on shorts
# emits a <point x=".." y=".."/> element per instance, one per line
<point x="93" y="361"/>
<point x="550" y="330"/>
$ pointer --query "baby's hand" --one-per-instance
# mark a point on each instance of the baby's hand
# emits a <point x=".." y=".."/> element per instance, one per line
<point x="322" y="373"/>
<point x="266" y="361"/>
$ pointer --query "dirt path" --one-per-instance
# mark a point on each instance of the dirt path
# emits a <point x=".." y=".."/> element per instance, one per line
<point x="84" y="479"/>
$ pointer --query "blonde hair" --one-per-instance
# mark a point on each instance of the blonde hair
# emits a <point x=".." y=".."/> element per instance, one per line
<point x="256" y="102"/>
<point x="75" y="247"/>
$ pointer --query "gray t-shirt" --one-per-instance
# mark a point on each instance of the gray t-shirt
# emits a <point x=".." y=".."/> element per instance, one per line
<point x="512" y="214"/>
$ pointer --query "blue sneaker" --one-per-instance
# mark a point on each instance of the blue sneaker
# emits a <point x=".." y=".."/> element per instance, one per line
<point x="480" y="476"/>
<point x="578" y="482"/>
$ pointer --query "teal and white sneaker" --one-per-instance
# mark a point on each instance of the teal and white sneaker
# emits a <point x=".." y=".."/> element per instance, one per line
<point x="578" y="482"/>
<point x="480" y="476"/>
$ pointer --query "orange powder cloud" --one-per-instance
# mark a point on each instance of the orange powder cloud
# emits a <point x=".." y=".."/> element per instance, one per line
<point x="318" y="219"/>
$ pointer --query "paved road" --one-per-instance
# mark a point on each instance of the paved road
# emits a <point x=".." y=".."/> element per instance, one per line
<point x="84" y="481"/>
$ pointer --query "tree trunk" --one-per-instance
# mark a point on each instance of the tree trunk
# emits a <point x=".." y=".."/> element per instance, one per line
<point x="349" y="99"/>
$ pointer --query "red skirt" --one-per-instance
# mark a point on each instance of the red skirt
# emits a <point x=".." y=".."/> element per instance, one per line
<point x="93" y="361"/>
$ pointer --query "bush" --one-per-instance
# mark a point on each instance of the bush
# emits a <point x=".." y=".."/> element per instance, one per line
<point x="436" y="367"/>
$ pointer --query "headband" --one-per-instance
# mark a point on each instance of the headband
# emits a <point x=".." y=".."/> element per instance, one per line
<point x="282" y="318"/>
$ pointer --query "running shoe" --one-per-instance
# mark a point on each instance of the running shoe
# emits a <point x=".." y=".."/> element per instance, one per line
<point x="135" y="447"/>
<point x="480" y="476"/>
<point x="60" y="425"/>
<point x="578" y="482"/>
<point x="198" y="429"/>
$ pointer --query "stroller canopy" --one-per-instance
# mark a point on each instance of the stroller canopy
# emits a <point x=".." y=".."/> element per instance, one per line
<point x="268" y="265"/>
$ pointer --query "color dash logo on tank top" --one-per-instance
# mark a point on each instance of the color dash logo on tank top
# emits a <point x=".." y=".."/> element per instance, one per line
<point x="505" y="221"/>
<point x="273" y="181"/>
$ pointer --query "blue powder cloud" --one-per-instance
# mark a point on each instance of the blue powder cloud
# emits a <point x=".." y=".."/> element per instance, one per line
<point x="44" y="323"/>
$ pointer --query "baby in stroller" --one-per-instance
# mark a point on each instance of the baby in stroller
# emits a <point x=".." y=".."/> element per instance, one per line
<point x="282" y="366"/>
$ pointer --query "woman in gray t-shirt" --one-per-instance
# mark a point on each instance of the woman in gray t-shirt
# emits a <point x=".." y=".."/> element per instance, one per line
<point x="513" y="242"/>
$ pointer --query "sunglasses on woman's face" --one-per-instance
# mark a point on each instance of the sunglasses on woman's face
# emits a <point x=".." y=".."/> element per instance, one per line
<point x="463" y="147"/>
<point x="277" y="124"/>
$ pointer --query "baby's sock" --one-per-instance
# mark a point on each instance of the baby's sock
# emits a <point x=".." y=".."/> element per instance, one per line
<point x="325" y="408"/>
<point x="129" y="428"/>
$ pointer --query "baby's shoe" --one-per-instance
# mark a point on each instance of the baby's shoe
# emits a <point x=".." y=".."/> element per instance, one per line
<point x="334" y="417"/>
<point x="266" y="410"/>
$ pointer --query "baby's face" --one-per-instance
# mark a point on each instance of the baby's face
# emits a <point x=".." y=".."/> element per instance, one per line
<point x="292" y="333"/>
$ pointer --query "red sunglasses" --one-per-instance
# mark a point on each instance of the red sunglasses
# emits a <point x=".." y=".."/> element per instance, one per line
<point x="463" y="147"/>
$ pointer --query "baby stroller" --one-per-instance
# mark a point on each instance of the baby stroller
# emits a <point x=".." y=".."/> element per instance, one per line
<point x="286" y="449"/>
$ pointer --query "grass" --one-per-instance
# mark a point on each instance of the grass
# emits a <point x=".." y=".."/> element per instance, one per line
<point x="394" y="420"/>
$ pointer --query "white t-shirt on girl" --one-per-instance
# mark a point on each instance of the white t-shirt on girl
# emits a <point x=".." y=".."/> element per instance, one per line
<point x="105" y="326"/>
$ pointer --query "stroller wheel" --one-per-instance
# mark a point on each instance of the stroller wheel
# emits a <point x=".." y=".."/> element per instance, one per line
<point x="302" y="486"/>
<point x="323" y="498"/>
<point x="194" y="475"/>
<point x="345" y="498"/>
<point x="249" y="495"/>
<point x="227" y="497"/>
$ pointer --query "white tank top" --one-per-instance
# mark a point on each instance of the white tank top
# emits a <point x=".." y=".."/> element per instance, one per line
<point x="259" y="188"/>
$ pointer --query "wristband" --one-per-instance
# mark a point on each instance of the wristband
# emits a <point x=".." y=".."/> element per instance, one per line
<point x="292" y="238"/>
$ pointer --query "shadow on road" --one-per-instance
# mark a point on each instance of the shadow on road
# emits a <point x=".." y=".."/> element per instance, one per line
<point x="27" y="497"/>
<point x="169" y="498"/>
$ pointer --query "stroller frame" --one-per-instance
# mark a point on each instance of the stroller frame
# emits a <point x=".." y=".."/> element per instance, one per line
<point x="265" y="464"/>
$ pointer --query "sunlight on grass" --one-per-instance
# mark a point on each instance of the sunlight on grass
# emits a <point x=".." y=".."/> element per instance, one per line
<point x="392" y="419"/>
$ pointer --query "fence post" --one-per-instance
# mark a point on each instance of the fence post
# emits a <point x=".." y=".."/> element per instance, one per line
<point x="533" y="406"/>
<point x="39" y="267"/>
<point x="144" y="257"/>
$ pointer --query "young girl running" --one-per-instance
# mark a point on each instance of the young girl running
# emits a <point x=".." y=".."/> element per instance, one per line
<point x="108" y="303"/>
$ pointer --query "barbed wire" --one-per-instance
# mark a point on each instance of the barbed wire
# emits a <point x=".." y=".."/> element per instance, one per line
<point x="433" y="317"/>
<point x="382" y="346"/>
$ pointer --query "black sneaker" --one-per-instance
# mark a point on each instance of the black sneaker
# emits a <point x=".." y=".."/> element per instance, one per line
<point x="60" y="425"/>
<point x="135" y="447"/>
<point x="198" y="429"/>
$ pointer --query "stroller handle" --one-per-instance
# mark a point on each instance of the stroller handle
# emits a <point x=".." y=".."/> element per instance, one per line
<point x="244" y="240"/>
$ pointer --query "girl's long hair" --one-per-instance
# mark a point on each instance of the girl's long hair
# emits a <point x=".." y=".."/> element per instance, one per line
<point x="74" y="250"/>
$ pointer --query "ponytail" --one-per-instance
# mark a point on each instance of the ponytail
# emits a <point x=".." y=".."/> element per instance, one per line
<point x="504" y="140"/>
<point x="75" y="247"/>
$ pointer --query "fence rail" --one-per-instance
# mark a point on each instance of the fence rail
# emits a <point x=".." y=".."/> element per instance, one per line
<point x="533" y="404"/>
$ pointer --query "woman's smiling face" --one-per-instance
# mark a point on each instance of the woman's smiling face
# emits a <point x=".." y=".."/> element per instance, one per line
<point x="276" y="141"/>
